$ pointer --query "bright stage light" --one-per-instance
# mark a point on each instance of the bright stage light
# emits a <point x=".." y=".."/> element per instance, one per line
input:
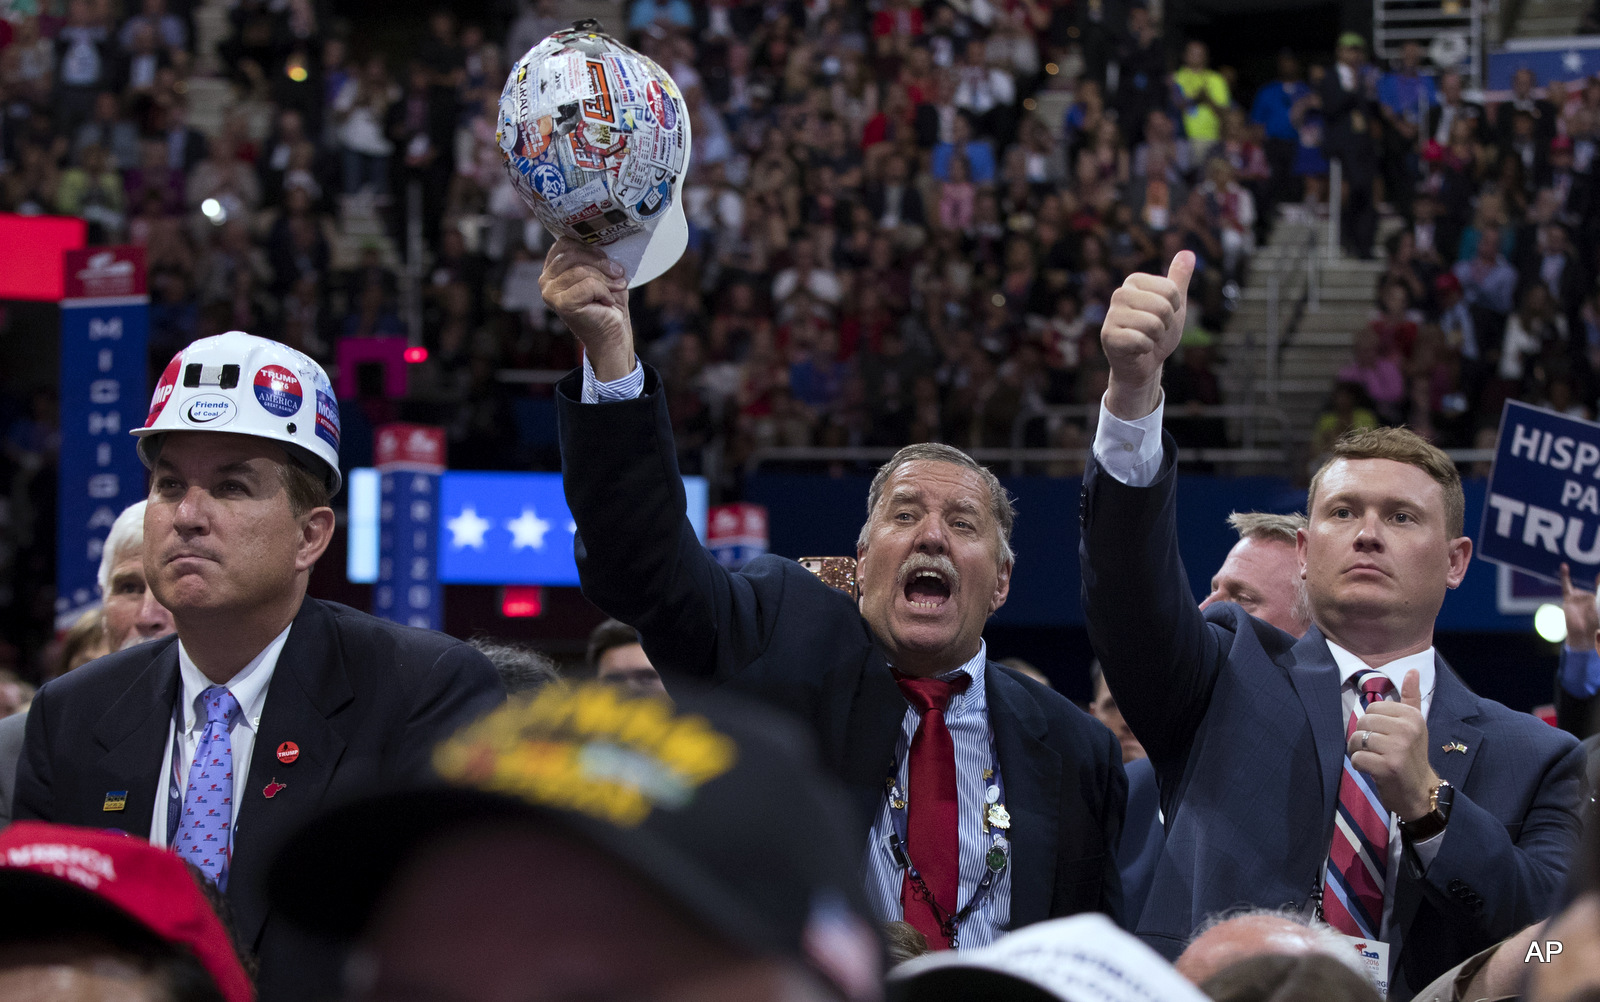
<point x="1550" y="623"/>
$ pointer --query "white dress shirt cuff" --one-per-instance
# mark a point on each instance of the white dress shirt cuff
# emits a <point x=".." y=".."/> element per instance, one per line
<point x="628" y="387"/>
<point x="1427" y="849"/>
<point x="1130" y="450"/>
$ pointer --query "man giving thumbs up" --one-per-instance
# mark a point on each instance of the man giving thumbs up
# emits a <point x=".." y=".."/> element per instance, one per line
<point x="1350" y="774"/>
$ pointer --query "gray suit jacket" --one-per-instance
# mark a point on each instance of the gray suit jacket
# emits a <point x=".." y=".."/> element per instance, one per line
<point x="11" y="729"/>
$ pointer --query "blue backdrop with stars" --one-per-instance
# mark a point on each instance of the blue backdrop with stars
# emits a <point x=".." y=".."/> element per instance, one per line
<point x="514" y="528"/>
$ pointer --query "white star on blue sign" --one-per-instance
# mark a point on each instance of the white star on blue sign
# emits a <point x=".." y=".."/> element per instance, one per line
<point x="467" y="529"/>
<point x="527" y="530"/>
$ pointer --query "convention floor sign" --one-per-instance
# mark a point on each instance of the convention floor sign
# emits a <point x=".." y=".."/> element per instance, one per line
<point x="1543" y="505"/>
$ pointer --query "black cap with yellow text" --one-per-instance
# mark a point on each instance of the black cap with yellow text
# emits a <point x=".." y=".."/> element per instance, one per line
<point x="715" y="801"/>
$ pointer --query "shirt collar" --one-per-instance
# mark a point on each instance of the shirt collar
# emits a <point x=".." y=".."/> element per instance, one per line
<point x="249" y="686"/>
<point x="972" y="695"/>
<point x="1394" y="671"/>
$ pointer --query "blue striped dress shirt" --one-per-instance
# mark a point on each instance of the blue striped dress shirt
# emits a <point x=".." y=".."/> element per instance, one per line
<point x="967" y="719"/>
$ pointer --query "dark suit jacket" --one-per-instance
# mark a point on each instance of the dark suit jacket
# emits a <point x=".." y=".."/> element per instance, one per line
<point x="1469" y="109"/>
<point x="1142" y="837"/>
<point x="775" y="631"/>
<point x="365" y="699"/>
<point x="911" y="209"/>
<point x="1242" y="723"/>
<point x="1349" y="115"/>
<point x="11" y="730"/>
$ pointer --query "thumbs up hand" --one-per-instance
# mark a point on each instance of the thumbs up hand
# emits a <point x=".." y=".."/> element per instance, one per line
<point x="1390" y="744"/>
<point x="1143" y="325"/>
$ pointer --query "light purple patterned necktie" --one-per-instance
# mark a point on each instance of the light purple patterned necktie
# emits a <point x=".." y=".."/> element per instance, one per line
<point x="205" y="832"/>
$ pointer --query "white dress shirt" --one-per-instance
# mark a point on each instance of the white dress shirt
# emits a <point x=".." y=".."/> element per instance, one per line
<point x="1130" y="451"/>
<point x="249" y="687"/>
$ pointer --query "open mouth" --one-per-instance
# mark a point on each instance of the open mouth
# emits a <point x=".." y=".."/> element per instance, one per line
<point x="927" y="589"/>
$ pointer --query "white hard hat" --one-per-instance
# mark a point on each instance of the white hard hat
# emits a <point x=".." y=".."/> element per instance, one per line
<point x="248" y="385"/>
<point x="596" y="139"/>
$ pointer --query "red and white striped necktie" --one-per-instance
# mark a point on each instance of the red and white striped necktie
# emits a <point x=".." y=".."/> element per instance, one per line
<point x="1358" y="860"/>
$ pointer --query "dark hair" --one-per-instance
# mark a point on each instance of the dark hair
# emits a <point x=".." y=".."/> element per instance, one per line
<point x="307" y="491"/>
<point x="611" y="633"/>
<point x="1278" y="978"/>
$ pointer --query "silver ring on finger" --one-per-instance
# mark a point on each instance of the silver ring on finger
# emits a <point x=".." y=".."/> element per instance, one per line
<point x="1366" y="736"/>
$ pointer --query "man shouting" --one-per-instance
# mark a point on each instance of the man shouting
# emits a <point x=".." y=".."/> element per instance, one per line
<point x="986" y="801"/>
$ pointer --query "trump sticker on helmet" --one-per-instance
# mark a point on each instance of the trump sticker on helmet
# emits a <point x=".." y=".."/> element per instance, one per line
<point x="209" y="410"/>
<point x="278" y="391"/>
<point x="164" y="388"/>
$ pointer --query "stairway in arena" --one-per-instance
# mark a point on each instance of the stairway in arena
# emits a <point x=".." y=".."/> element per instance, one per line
<point x="1315" y="332"/>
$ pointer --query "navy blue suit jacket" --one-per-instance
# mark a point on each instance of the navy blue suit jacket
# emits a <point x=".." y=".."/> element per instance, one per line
<point x="1242" y="723"/>
<point x="365" y="699"/>
<point x="1142" y="837"/>
<point x="773" y="630"/>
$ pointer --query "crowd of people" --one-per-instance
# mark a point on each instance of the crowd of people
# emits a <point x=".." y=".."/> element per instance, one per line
<point x="1488" y="291"/>
<point x="888" y="246"/>
<point x="784" y="783"/>
<point x="891" y="242"/>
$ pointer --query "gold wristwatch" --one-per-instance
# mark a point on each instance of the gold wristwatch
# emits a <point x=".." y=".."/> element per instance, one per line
<point x="1433" y="822"/>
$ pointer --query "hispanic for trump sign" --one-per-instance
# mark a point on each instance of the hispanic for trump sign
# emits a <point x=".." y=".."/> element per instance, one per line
<point x="1543" y="505"/>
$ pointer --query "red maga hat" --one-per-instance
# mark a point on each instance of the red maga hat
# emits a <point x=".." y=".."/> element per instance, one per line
<point x="93" y="869"/>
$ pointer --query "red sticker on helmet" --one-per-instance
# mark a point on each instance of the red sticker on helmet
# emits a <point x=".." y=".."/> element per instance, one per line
<point x="278" y="391"/>
<point x="164" y="388"/>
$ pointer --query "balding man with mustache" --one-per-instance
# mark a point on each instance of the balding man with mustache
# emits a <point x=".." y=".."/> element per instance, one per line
<point x="986" y="801"/>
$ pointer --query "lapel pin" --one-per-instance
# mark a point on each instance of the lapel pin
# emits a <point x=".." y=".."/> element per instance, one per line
<point x="274" y="788"/>
<point x="116" y="800"/>
<point x="288" y="752"/>
<point x="1455" y="746"/>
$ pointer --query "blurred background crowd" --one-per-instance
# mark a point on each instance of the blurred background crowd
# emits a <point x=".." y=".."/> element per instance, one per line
<point x="906" y="220"/>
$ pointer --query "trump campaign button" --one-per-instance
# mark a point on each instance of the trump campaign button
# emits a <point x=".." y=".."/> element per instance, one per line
<point x="288" y="752"/>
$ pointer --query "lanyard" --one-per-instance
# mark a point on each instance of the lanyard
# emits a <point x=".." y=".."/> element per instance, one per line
<point x="996" y="822"/>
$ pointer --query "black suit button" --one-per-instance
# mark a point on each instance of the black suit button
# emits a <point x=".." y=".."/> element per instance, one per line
<point x="1455" y="886"/>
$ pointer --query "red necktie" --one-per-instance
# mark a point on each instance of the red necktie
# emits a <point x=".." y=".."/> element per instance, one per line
<point x="1358" y="860"/>
<point x="933" y="839"/>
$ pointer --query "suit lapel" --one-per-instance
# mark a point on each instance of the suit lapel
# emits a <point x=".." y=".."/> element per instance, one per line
<point x="308" y="687"/>
<point x="134" y="734"/>
<point x="1030" y="771"/>
<point x="1316" y="680"/>
<point x="1449" y="727"/>
<point x="871" y="731"/>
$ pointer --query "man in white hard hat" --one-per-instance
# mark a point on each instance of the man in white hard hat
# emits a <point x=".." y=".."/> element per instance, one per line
<point x="270" y="706"/>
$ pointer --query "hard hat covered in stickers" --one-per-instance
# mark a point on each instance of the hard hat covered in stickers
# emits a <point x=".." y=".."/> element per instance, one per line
<point x="246" y="385"/>
<point x="596" y="140"/>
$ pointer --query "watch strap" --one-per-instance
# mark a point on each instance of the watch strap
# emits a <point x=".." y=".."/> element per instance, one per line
<point x="1434" y="821"/>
